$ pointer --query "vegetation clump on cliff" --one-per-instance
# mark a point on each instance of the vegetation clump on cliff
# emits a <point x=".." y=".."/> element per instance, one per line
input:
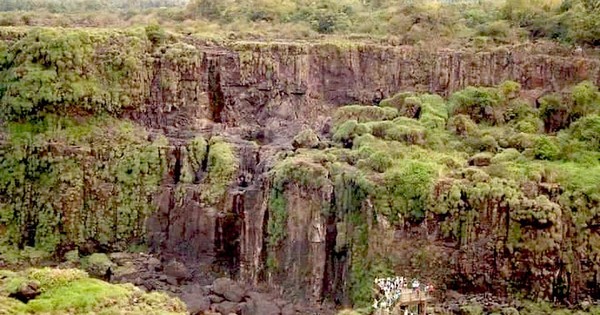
<point x="470" y="170"/>
<point x="68" y="176"/>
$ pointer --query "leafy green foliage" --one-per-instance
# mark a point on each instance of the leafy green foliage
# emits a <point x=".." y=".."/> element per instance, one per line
<point x="480" y="104"/>
<point x="155" y="33"/>
<point x="364" y="113"/>
<point x="222" y="167"/>
<point x="78" y="181"/>
<point x="306" y="139"/>
<point x="546" y="148"/>
<point x="276" y="227"/>
<point x="348" y="130"/>
<point x="464" y="23"/>
<point x="502" y="181"/>
<point x="408" y="188"/>
<point x="193" y="157"/>
<point x="587" y="130"/>
<point x="59" y="71"/>
<point x="586" y="98"/>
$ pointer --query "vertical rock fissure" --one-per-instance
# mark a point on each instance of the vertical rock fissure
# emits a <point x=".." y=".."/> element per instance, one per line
<point x="216" y="97"/>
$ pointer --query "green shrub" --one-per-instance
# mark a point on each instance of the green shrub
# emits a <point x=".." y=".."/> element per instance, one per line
<point x="397" y="101"/>
<point x="92" y="180"/>
<point x="305" y="170"/>
<point x="583" y="25"/>
<point x="222" y="166"/>
<point x="156" y="34"/>
<point x="546" y="148"/>
<point x="529" y="125"/>
<point x="379" y="161"/>
<point x="485" y="143"/>
<point x="521" y="141"/>
<point x="499" y="30"/>
<point x="507" y="155"/>
<point x="364" y="113"/>
<point x="509" y="89"/>
<point x="434" y="111"/>
<point x="408" y="186"/>
<point x="587" y="129"/>
<point x="586" y="98"/>
<point x="325" y="16"/>
<point x="462" y="125"/>
<point x="406" y="130"/>
<point x="480" y="104"/>
<point x="277" y="224"/>
<point x="306" y="139"/>
<point x="68" y="71"/>
<point x="192" y="158"/>
<point x="346" y="132"/>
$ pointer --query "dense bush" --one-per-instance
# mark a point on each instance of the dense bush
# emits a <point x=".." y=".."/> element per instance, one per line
<point x="481" y="104"/>
<point x="587" y="130"/>
<point x="546" y="148"/>
<point x="60" y="71"/>
<point x="469" y="23"/>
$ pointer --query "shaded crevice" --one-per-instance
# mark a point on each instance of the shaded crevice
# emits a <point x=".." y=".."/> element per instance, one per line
<point x="178" y="165"/>
<point x="216" y="98"/>
<point x="227" y="236"/>
<point x="330" y="287"/>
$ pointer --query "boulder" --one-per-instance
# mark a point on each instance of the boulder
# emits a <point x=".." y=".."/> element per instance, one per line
<point x="226" y="307"/>
<point x="481" y="159"/>
<point x="196" y="304"/>
<point x="288" y="309"/>
<point x="259" y="304"/>
<point x="215" y="298"/>
<point x="99" y="266"/>
<point x="228" y="289"/>
<point x="27" y="291"/>
<point x="177" y="270"/>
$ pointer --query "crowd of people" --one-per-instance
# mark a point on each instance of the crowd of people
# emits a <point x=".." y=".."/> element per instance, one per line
<point x="390" y="290"/>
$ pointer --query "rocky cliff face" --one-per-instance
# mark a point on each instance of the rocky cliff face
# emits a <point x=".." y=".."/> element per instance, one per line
<point x="259" y="90"/>
<point x="217" y="199"/>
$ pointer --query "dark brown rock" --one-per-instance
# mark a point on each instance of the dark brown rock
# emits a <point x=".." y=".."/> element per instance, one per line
<point x="226" y="307"/>
<point x="27" y="291"/>
<point x="196" y="304"/>
<point x="215" y="298"/>
<point x="228" y="289"/>
<point x="177" y="270"/>
<point x="481" y="159"/>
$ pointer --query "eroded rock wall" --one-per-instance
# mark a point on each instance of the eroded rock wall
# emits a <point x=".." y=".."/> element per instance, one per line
<point x="269" y="90"/>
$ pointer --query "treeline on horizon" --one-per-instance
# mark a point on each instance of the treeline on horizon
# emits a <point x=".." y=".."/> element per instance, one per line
<point x="478" y="22"/>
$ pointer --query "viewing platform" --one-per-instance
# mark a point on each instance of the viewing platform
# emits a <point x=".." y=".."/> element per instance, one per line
<point x="408" y="302"/>
<point x="394" y="297"/>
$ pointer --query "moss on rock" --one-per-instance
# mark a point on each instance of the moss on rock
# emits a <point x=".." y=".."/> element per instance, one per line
<point x="71" y="291"/>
